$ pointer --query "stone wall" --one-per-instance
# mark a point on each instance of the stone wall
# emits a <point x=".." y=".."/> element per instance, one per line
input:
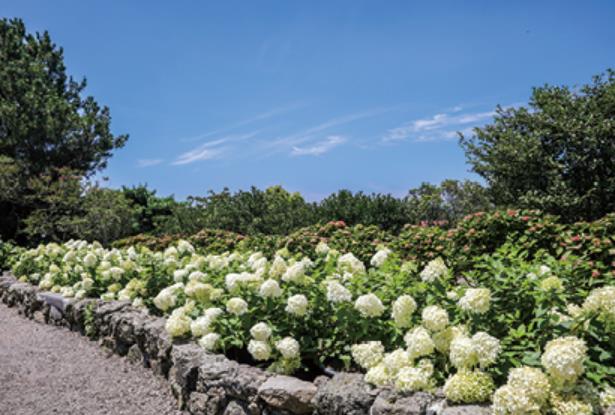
<point x="206" y="383"/>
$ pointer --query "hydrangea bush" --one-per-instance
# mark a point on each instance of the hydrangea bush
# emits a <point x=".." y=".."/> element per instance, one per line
<point x="531" y="334"/>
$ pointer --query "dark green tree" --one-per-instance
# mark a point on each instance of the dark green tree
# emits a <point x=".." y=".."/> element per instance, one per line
<point x="46" y="122"/>
<point x="558" y="154"/>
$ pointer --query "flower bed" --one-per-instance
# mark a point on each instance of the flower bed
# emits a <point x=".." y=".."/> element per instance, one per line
<point x="503" y="331"/>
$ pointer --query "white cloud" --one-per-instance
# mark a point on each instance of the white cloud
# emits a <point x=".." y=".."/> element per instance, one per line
<point x="211" y="149"/>
<point x="259" y="117"/>
<point x="148" y="162"/>
<point x="198" y="154"/>
<point x="320" y="147"/>
<point x="437" y="127"/>
<point x="312" y="134"/>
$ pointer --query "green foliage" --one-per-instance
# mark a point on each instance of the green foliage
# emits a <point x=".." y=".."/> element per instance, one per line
<point x="557" y="155"/>
<point x="46" y="126"/>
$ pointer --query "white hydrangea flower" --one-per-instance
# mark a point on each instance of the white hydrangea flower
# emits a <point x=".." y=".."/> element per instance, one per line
<point x="260" y="350"/>
<point x="380" y="257"/>
<point x="435" y="269"/>
<point x="544" y="270"/>
<point x="90" y="260"/>
<point x="442" y="339"/>
<point x="552" y="284"/>
<point x="278" y="267"/>
<point x="368" y="354"/>
<point x="116" y="273"/>
<point x="106" y="296"/>
<point x="348" y="262"/>
<point x="294" y="273"/>
<point x="463" y="352"/>
<point x="396" y="360"/>
<point x="563" y="359"/>
<point x="469" y="387"/>
<point x="237" y="306"/>
<point x="260" y="331"/>
<point x="288" y="348"/>
<point x="297" y="305"/>
<point x="378" y="375"/>
<point x="200" y="326"/>
<point x="532" y="381"/>
<point x="197" y="276"/>
<point x="403" y="308"/>
<point x="419" y="343"/>
<point x="213" y="313"/>
<point x="607" y="397"/>
<point x="601" y="301"/>
<point x="337" y="293"/>
<point x="570" y="405"/>
<point x="209" y="341"/>
<point x="412" y="379"/>
<point x="166" y="299"/>
<point x="487" y="347"/>
<point x="178" y="324"/>
<point x="435" y="318"/>
<point x="369" y="305"/>
<point x="322" y="248"/>
<point x="475" y="300"/>
<point x="184" y="247"/>
<point x="270" y="289"/>
<point x="180" y="275"/>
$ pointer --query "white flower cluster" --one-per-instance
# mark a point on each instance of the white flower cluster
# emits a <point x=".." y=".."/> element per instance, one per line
<point x="469" y="386"/>
<point x="297" y="305"/>
<point x="380" y="257"/>
<point x="368" y="355"/>
<point x="369" y="305"/>
<point x="337" y="293"/>
<point x="350" y="263"/>
<point x="237" y="306"/>
<point x="552" y="284"/>
<point x="480" y="349"/>
<point x="435" y="318"/>
<point x="475" y="300"/>
<point x="563" y="359"/>
<point x="403" y="309"/>
<point x="435" y="269"/>
<point x="602" y="302"/>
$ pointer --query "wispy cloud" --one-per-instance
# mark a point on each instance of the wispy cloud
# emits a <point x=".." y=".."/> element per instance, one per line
<point x="211" y="150"/>
<point x="314" y="134"/>
<point x="148" y="162"/>
<point x="259" y="117"/>
<point x="438" y="127"/>
<point x="320" y="147"/>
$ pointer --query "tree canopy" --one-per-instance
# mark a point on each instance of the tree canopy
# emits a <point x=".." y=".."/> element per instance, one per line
<point x="557" y="154"/>
<point x="47" y="123"/>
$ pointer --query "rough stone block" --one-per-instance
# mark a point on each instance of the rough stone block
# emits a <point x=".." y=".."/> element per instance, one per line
<point x="345" y="394"/>
<point x="393" y="403"/>
<point x="285" y="392"/>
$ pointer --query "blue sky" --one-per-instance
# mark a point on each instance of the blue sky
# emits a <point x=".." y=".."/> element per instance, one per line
<point x="313" y="95"/>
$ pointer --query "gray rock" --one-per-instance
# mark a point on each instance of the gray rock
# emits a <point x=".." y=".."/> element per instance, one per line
<point x="135" y="356"/>
<point x="197" y="404"/>
<point x="610" y="410"/>
<point x="467" y="410"/>
<point x="236" y="408"/>
<point x="288" y="393"/>
<point x="246" y="382"/>
<point x="55" y="300"/>
<point x="185" y="361"/>
<point x="344" y="394"/>
<point x="393" y="403"/>
<point x="216" y="372"/>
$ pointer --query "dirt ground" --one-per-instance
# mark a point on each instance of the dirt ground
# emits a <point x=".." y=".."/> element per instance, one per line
<point x="51" y="370"/>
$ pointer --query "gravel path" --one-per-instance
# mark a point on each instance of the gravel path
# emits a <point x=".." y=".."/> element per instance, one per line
<point x="51" y="370"/>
